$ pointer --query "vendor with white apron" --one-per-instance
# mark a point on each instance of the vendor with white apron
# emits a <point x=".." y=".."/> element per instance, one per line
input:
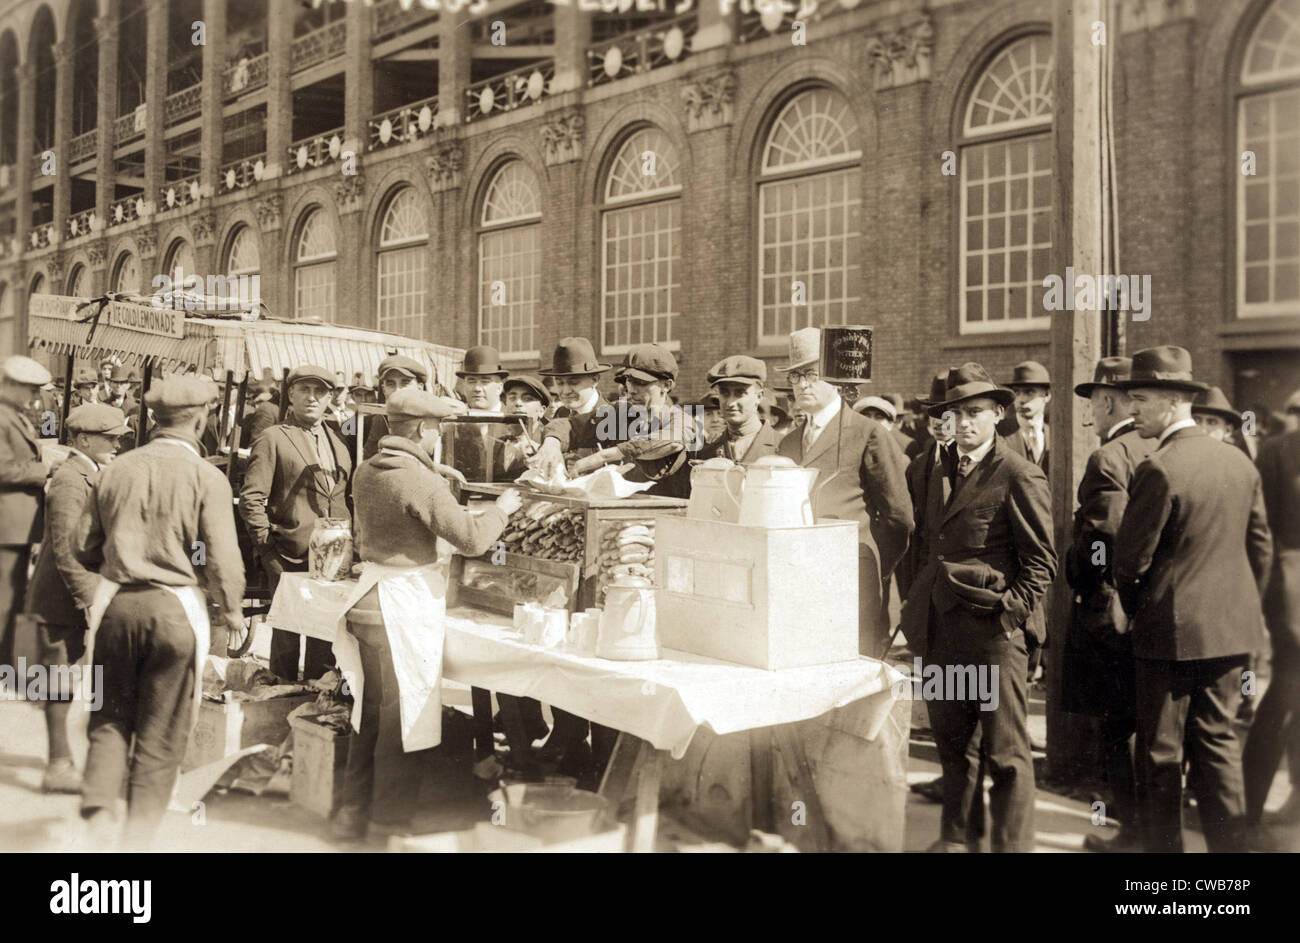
<point x="402" y="506"/>
<point x="151" y="514"/>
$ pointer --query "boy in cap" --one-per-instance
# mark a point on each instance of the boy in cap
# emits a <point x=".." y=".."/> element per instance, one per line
<point x="298" y="471"/>
<point x="396" y="372"/>
<point x="23" y="473"/>
<point x="1192" y="558"/>
<point x="738" y="383"/>
<point x="526" y="394"/>
<point x="148" y="512"/>
<point x="403" y="506"/>
<point x="61" y="589"/>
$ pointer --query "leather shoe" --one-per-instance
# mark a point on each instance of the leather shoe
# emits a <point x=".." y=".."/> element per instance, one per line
<point x="931" y="789"/>
<point x="349" y="824"/>
<point x="942" y="847"/>
<point x="61" y="776"/>
<point x="1124" y="843"/>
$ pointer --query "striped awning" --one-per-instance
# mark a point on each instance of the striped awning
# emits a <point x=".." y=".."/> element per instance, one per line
<point x="61" y="326"/>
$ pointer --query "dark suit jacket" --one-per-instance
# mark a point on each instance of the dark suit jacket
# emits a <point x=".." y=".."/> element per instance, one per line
<point x="1193" y="552"/>
<point x="580" y="436"/>
<point x="60" y="586"/>
<point x="1000" y="523"/>
<point x="867" y="486"/>
<point x="765" y="442"/>
<point x="1016" y="440"/>
<point x="921" y="477"/>
<point x="1279" y="474"/>
<point x="284" y="491"/>
<point x="263" y="417"/>
<point x="22" y="480"/>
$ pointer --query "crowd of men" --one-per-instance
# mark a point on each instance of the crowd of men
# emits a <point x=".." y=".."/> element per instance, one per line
<point x="1181" y="592"/>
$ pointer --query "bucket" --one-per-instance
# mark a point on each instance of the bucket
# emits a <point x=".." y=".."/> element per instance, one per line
<point x="553" y="812"/>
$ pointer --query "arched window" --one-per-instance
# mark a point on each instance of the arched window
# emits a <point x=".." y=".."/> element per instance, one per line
<point x="38" y="285"/>
<point x="400" y="266"/>
<point x="78" y="281"/>
<point x="126" y="273"/>
<point x="810" y="211"/>
<point x="509" y="261"/>
<point x="241" y="253"/>
<point x="1006" y="191"/>
<point x="179" y="266"/>
<point x="641" y="235"/>
<point x="1268" y="201"/>
<point x="315" y="268"/>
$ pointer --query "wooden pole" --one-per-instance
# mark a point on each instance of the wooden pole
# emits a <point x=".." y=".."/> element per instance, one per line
<point x="1084" y="32"/>
<point x="67" y="396"/>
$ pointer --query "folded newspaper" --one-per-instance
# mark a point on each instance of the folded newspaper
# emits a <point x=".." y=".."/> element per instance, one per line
<point x="606" y="482"/>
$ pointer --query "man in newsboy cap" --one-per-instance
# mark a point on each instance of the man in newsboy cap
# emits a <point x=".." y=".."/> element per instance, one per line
<point x="739" y="383"/>
<point x="146" y="514"/>
<point x="298" y="472"/>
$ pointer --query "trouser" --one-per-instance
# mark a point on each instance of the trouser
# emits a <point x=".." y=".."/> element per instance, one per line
<point x="286" y="646"/>
<point x="1276" y="729"/>
<point x="1189" y="705"/>
<point x="60" y="646"/>
<point x="1118" y="727"/>
<point x="964" y="734"/>
<point x="873" y="625"/>
<point x="146" y="647"/>
<point x="379" y="741"/>
<point x="13" y="587"/>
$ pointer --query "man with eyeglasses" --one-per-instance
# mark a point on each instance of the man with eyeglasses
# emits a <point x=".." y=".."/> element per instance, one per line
<point x="860" y="478"/>
<point x="298" y="471"/>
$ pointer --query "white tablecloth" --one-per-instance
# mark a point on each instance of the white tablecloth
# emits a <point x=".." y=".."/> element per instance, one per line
<point x="661" y="701"/>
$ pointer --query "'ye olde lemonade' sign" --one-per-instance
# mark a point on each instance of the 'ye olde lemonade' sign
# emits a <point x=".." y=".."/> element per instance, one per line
<point x="146" y="319"/>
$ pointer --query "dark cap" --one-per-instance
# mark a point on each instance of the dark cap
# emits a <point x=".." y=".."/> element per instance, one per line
<point x="412" y="403"/>
<point x="648" y="362"/>
<point x="1166" y="367"/>
<point x="404" y="365"/>
<point x="532" y="383"/>
<point x="179" y="392"/>
<point x="1213" y="403"/>
<point x="738" y="367"/>
<point x="967" y="382"/>
<point x="311" y="372"/>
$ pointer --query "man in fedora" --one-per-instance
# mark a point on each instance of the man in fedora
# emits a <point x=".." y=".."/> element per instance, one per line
<point x="1192" y="557"/>
<point x="987" y="561"/>
<point x="738" y="382"/>
<point x="1213" y="413"/>
<point x="85" y="387"/>
<point x="298" y="471"/>
<point x="576" y="430"/>
<point x="860" y="478"/>
<point x="480" y="379"/>
<point x="1033" y="390"/>
<point x="1098" y="674"/>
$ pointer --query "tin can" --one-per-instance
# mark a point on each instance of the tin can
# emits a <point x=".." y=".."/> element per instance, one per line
<point x="846" y="353"/>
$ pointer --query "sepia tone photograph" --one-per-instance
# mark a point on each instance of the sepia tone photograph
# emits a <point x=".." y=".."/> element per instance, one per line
<point x="626" y="426"/>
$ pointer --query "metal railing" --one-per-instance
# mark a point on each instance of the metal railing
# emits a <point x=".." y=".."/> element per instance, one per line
<point x="510" y="90"/>
<point x="83" y="146"/>
<point x="318" y="45"/>
<point x="129" y="127"/>
<point x="642" y="50"/>
<point x="184" y="104"/>
<point x="240" y="174"/>
<point x="245" y="76"/>
<point x="400" y="125"/>
<point x="179" y="193"/>
<point x="315" y="151"/>
<point x="387" y="19"/>
<point x="82" y="224"/>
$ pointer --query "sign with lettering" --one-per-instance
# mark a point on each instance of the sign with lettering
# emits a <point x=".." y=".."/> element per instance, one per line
<point x="846" y="353"/>
<point x="147" y="320"/>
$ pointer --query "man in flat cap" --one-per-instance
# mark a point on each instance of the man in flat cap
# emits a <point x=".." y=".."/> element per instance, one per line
<point x="264" y="395"/>
<point x="158" y="525"/>
<point x="1098" y="673"/>
<point x="860" y="478"/>
<point x="987" y="561"/>
<point x="61" y="588"/>
<point x="526" y="394"/>
<point x="739" y="383"/>
<point x="396" y="372"/>
<point x="22" y="488"/>
<point x="403" y="506"/>
<point x="1192" y="559"/>
<point x="298" y="471"/>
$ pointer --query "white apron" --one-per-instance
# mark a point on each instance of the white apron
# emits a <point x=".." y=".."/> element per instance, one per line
<point x="413" y="602"/>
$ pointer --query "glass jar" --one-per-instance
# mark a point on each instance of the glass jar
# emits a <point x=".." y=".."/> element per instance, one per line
<point x="329" y="551"/>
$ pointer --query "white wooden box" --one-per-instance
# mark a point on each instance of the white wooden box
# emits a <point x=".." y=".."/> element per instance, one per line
<point x="782" y="597"/>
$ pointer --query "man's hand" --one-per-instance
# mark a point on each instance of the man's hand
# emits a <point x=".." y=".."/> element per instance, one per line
<point x="446" y="471"/>
<point x="549" y="458"/>
<point x="509" y="501"/>
<point x="238" y="635"/>
<point x="591" y="463"/>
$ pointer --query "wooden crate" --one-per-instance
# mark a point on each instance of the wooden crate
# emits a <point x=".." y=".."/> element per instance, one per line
<point x="226" y="728"/>
<point x="320" y="757"/>
<point x="780" y="597"/>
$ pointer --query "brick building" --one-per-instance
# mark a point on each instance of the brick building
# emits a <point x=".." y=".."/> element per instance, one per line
<point x="523" y="171"/>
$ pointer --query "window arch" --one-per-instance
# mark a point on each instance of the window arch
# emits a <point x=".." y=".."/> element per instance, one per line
<point x="1268" y="202"/>
<point x="38" y="285"/>
<point x="400" y="265"/>
<point x="809" y="211"/>
<point x="1006" y="190"/>
<point x="315" y="267"/>
<point x="78" y="281"/>
<point x="126" y="273"/>
<point x="641" y="229"/>
<point x="509" y="260"/>
<point x="242" y="257"/>
<point x="179" y="264"/>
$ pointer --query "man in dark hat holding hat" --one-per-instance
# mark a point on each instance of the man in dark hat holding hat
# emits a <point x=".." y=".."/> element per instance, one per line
<point x="738" y="382"/>
<point x="298" y="471"/>
<point x="61" y="589"/>
<point x="987" y="561"/>
<point x="480" y="378"/>
<point x="1192" y="558"/>
<point x="1098" y="651"/>
<point x="148" y="512"/>
<point x="575" y="432"/>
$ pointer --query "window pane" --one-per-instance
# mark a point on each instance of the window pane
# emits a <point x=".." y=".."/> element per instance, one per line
<point x="400" y="276"/>
<point x="509" y="288"/>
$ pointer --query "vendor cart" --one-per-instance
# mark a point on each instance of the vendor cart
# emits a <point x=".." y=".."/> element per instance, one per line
<point x="187" y="333"/>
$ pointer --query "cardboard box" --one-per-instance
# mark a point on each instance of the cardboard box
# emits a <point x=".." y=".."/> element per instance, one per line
<point x="227" y="727"/>
<point x="320" y="757"/>
<point x="779" y="597"/>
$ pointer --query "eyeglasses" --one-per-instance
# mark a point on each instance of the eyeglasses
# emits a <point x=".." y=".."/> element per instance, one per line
<point x="796" y="377"/>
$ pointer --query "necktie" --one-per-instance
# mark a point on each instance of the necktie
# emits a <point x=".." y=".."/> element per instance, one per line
<point x="809" y="434"/>
<point x="964" y="465"/>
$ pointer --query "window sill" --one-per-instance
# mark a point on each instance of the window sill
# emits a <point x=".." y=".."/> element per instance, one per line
<point x="1261" y="333"/>
<point x="997" y="339"/>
